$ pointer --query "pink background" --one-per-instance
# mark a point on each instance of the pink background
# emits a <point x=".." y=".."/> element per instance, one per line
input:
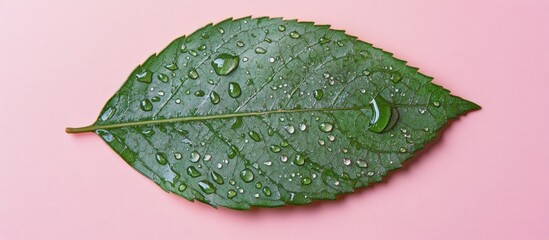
<point x="486" y="179"/>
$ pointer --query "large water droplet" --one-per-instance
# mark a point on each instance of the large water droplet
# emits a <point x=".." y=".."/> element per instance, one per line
<point x="193" y="74"/>
<point x="302" y="127"/>
<point x="214" y="97"/>
<point x="384" y="116"/>
<point x="225" y="63"/>
<point x="318" y="94"/>
<point x="161" y="159"/>
<point x="217" y="178"/>
<point x="260" y="50"/>
<point x="146" y="105"/>
<point x="254" y="136"/>
<point x="326" y="127"/>
<point x="247" y="175"/>
<point x="295" y="35"/>
<point x="193" y="172"/>
<point x="145" y="76"/>
<point x="207" y="187"/>
<point x="234" y="90"/>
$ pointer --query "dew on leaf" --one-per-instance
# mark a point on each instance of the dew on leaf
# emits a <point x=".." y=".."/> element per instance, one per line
<point x="231" y="194"/>
<point x="162" y="77"/>
<point x="326" y="127"/>
<point x="146" y="105"/>
<point x="225" y="63"/>
<point x="295" y="35"/>
<point x="281" y="28"/>
<point x="177" y="155"/>
<point x="195" y="156"/>
<point x="214" y="97"/>
<point x="306" y="181"/>
<point x="207" y="187"/>
<point x="171" y="67"/>
<point x="193" y="74"/>
<point x="247" y="175"/>
<point x="240" y="44"/>
<point x="361" y="163"/>
<point x="302" y="127"/>
<point x="216" y="177"/>
<point x="193" y="172"/>
<point x="275" y="148"/>
<point x="318" y="94"/>
<point x="324" y="40"/>
<point x="199" y="93"/>
<point x="346" y="161"/>
<point x="260" y="50"/>
<point x="267" y="191"/>
<point x="299" y="160"/>
<point x="108" y="113"/>
<point x="284" y="159"/>
<point x="254" y="136"/>
<point x="144" y="77"/>
<point x="161" y="159"/>
<point x="234" y="90"/>
<point x="182" y="187"/>
<point x="384" y="115"/>
<point x="290" y="129"/>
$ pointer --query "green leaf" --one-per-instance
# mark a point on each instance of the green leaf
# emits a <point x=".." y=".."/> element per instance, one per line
<point x="267" y="112"/>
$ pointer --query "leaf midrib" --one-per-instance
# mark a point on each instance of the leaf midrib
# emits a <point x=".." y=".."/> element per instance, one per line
<point x="94" y="127"/>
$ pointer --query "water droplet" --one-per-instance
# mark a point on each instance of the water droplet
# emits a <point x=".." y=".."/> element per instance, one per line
<point x="162" y="77"/>
<point x="234" y="90"/>
<point x="260" y="50"/>
<point x="326" y="127"/>
<point x="254" y="136"/>
<point x="299" y="160"/>
<point x="306" y="181"/>
<point x="366" y="72"/>
<point x="207" y="187"/>
<point x="284" y="143"/>
<point x="240" y="44"/>
<point x="231" y="194"/>
<point x="271" y="60"/>
<point x="177" y="155"/>
<point x="281" y="28"/>
<point x="221" y="30"/>
<point x="225" y="63"/>
<point x="106" y="135"/>
<point x="318" y="94"/>
<point x="321" y="142"/>
<point x="302" y="127"/>
<point x="182" y="187"/>
<point x="201" y="47"/>
<point x="324" y="40"/>
<point x="108" y="113"/>
<point x="403" y="150"/>
<point x="267" y="191"/>
<point x="144" y="77"/>
<point x="214" y="97"/>
<point x="426" y="129"/>
<point x="339" y="43"/>
<point x="284" y="159"/>
<point x="217" y="178"/>
<point x="275" y="148"/>
<point x="146" y="105"/>
<point x="193" y="53"/>
<point x="436" y="104"/>
<point x="295" y="35"/>
<point x="361" y="163"/>
<point x="195" y="156"/>
<point x="247" y="175"/>
<point x="161" y="159"/>
<point x="331" y="138"/>
<point x="421" y="110"/>
<point x="290" y="129"/>
<point x="177" y="101"/>
<point x="193" y="172"/>
<point x="193" y="74"/>
<point x="370" y="173"/>
<point x="384" y="116"/>
<point x="346" y="161"/>
<point x="171" y="66"/>
<point x="395" y="77"/>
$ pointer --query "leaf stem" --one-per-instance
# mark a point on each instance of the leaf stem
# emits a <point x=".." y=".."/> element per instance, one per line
<point x="82" y="129"/>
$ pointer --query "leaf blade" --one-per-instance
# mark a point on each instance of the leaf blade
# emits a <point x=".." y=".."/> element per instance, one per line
<point x="305" y="93"/>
